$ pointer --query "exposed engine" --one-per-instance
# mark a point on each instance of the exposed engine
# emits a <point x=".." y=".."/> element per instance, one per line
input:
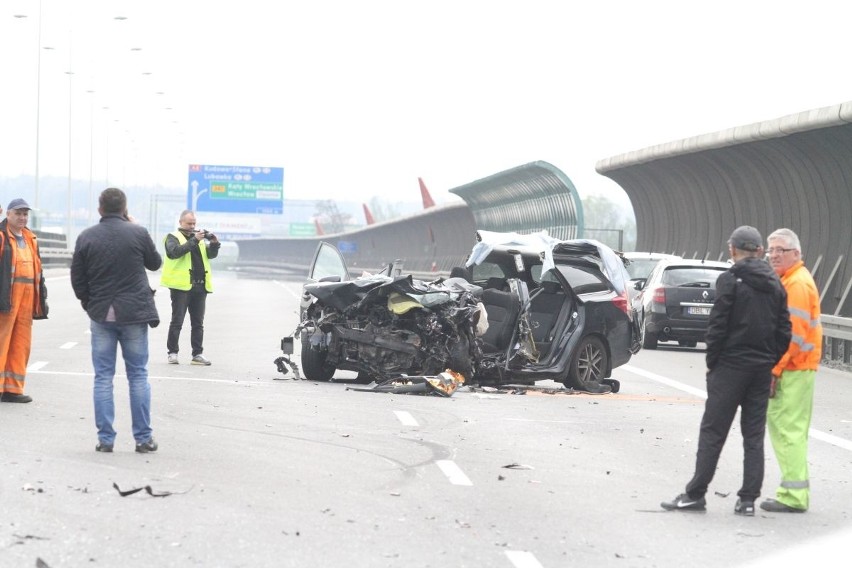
<point x="383" y="327"/>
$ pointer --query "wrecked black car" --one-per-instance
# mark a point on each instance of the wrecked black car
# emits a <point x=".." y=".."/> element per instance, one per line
<point x="524" y="308"/>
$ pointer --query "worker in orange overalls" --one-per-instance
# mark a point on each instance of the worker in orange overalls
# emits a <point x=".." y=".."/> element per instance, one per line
<point x="23" y="298"/>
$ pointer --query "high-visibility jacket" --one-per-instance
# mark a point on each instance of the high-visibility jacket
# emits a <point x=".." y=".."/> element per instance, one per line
<point x="176" y="271"/>
<point x="8" y="256"/>
<point x="805" y="349"/>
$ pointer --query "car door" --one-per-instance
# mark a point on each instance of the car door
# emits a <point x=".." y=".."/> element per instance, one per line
<point x="328" y="266"/>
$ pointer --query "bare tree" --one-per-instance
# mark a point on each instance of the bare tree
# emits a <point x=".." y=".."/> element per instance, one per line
<point x="330" y="216"/>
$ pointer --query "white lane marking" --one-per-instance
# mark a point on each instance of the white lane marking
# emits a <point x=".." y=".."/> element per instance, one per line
<point x="152" y="377"/>
<point x="814" y="433"/>
<point x="406" y="418"/>
<point x="453" y="472"/>
<point x="68" y="345"/>
<point x="523" y="559"/>
<point x="36" y="366"/>
<point x="665" y="380"/>
<point x="288" y="288"/>
<point x="831" y="439"/>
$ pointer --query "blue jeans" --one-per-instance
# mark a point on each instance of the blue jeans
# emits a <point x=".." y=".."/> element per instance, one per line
<point x="133" y="339"/>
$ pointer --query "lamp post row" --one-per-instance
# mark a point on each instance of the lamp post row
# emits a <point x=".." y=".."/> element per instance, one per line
<point x="70" y="72"/>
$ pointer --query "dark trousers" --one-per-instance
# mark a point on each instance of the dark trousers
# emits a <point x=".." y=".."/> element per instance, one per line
<point x="194" y="300"/>
<point x="727" y="389"/>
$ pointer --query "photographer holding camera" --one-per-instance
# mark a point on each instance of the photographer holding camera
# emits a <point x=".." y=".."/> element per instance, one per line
<point x="186" y="273"/>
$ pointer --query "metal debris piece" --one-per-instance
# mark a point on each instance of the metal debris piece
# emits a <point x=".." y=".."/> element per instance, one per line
<point x="517" y="466"/>
<point x="149" y="490"/>
<point x="282" y="363"/>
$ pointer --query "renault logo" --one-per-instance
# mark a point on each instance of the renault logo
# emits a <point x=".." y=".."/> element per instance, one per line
<point x="705" y="294"/>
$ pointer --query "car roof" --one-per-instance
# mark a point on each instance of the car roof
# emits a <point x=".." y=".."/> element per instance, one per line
<point x="542" y="245"/>
<point x="649" y="255"/>
<point x="693" y="262"/>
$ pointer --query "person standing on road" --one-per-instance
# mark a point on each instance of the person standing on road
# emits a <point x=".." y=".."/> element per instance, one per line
<point x="108" y="277"/>
<point x="748" y="332"/>
<point x="187" y="275"/>
<point x="23" y="298"/>
<point x="790" y="409"/>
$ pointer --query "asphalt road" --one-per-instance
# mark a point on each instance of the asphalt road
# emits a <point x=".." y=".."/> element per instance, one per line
<point x="263" y="470"/>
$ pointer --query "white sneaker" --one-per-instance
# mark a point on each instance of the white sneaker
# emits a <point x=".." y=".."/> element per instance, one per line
<point x="201" y="360"/>
<point x="173" y="360"/>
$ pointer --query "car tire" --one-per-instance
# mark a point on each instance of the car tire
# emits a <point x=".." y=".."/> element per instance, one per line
<point x="365" y="378"/>
<point x="314" y="364"/>
<point x="588" y="365"/>
<point x="461" y="360"/>
<point x="649" y="339"/>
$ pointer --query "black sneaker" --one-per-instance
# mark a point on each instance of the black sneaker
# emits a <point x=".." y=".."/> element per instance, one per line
<point x="684" y="502"/>
<point x="774" y="506"/>
<point x="9" y="397"/>
<point x="744" y="508"/>
<point x="101" y="447"/>
<point x="146" y="447"/>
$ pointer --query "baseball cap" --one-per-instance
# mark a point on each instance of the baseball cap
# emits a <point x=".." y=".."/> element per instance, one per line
<point x="746" y="238"/>
<point x="18" y="204"/>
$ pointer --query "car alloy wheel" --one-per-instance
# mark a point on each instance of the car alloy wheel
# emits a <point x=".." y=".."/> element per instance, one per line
<point x="589" y="365"/>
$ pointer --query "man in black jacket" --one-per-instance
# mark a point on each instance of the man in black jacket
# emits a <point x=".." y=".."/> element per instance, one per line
<point x="748" y="333"/>
<point x="108" y="276"/>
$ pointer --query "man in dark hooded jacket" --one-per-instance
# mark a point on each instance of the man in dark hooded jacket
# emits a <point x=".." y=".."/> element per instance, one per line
<point x="748" y="333"/>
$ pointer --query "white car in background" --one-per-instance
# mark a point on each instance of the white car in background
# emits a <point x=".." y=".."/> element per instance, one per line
<point x="642" y="263"/>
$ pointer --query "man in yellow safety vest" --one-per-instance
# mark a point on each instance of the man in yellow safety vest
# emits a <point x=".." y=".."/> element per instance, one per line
<point x="186" y="272"/>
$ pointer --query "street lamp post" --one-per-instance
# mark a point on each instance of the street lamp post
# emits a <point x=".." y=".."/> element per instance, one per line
<point x="38" y="103"/>
<point x="91" y="153"/>
<point x="70" y="74"/>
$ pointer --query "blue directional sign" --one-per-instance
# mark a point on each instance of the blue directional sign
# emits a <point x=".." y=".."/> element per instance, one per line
<point x="236" y="189"/>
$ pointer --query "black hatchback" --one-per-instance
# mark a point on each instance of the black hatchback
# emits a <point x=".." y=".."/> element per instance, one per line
<point x="525" y="308"/>
<point x="674" y="303"/>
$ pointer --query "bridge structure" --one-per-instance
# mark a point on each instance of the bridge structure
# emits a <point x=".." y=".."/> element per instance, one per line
<point x="794" y="172"/>
<point x="526" y="198"/>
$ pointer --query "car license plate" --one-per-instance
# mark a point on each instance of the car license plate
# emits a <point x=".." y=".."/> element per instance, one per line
<point x="698" y="310"/>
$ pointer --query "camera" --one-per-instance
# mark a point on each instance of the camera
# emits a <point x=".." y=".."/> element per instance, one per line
<point x="206" y="234"/>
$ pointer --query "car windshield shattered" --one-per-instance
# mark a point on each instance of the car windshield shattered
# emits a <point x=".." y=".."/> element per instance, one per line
<point x="523" y="308"/>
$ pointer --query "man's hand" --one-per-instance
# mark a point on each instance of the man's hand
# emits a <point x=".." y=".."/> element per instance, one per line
<point x="773" y="386"/>
<point x="199" y="235"/>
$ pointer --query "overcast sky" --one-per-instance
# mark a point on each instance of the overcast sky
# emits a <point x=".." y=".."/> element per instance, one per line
<point x="356" y="99"/>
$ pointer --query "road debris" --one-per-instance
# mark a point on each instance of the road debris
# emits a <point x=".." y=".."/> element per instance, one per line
<point x="149" y="490"/>
<point x="443" y="384"/>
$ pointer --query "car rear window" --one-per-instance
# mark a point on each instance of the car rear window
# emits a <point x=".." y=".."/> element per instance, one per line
<point x="686" y="275"/>
<point x="641" y="267"/>
<point x="486" y="270"/>
<point x="582" y="281"/>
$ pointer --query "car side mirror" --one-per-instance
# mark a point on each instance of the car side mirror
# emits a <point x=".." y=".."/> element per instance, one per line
<point x="639" y="284"/>
<point x="334" y="278"/>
